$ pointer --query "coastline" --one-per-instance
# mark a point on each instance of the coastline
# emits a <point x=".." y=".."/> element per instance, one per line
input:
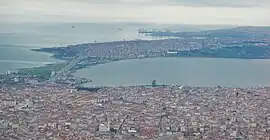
<point x="80" y="56"/>
<point x="170" y="86"/>
<point x="90" y="61"/>
<point x="114" y="60"/>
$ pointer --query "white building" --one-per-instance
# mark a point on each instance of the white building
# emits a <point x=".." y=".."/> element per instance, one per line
<point x="8" y="72"/>
<point x="104" y="128"/>
<point x="171" y="52"/>
<point x="53" y="73"/>
<point x="16" y="79"/>
<point x="3" y="123"/>
<point x="8" y="102"/>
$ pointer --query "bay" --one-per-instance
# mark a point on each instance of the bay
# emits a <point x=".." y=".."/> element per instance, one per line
<point x="180" y="71"/>
<point x="14" y="57"/>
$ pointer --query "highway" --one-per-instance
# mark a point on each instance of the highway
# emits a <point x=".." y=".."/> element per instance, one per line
<point x="66" y="68"/>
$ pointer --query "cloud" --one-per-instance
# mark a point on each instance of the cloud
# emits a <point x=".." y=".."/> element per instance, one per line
<point x="223" y="3"/>
<point x="158" y="11"/>
<point x="208" y="3"/>
<point x="212" y="3"/>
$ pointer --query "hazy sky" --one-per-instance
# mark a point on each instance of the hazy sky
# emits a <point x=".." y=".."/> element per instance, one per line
<point x="237" y="12"/>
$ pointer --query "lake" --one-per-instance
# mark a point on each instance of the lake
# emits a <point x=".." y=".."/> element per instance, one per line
<point x="180" y="71"/>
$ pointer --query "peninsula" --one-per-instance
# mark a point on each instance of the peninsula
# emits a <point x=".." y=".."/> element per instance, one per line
<point x="240" y="42"/>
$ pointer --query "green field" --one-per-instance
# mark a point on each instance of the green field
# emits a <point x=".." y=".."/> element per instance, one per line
<point x="43" y="72"/>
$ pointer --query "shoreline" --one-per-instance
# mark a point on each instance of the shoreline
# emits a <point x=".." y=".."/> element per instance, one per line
<point x="114" y="60"/>
<point x="80" y="56"/>
<point x="172" y="86"/>
<point x="99" y="60"/>
<point x="139" y="85"/>
<point x="192" y="57"/>
<point x="175" y="85"/>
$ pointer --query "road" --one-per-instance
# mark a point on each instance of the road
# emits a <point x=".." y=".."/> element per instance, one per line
<point x="66" y="68"/>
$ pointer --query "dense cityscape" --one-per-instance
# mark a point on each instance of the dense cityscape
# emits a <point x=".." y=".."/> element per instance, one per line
<point x="169" y="112"/>
<point x="48" y="102"/>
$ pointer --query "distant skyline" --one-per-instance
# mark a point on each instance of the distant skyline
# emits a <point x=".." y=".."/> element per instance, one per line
<point x="225" y="12"/>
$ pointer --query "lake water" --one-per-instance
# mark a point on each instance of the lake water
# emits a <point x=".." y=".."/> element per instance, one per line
<point x="181" y="71"/>
<point x="17" y="39"/>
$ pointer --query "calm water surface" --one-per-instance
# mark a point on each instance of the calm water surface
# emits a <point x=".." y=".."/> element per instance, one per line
<point x="183" y="71"/>
<point x="16" y="57"/>
<point x="16" y="39"/>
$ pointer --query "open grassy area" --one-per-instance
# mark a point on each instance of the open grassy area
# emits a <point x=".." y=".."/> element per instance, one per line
<point x="43" y="72"/>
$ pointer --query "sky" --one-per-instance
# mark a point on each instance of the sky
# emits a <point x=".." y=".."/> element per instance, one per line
<point x="224" y="12"/>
